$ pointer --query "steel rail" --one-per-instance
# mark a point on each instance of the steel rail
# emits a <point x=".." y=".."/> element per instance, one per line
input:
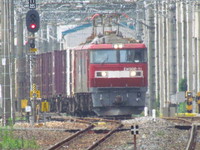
<point x="104" y="138"/>
<point x="192" y="140"/>
<point x="177" y="119"/>
<point x="58" y="145"/>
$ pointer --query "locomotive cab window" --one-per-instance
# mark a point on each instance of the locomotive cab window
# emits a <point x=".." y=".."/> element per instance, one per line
<point x="133" y="56"/>
<point x="118" y="56"/>
<point x="103" y="56"/>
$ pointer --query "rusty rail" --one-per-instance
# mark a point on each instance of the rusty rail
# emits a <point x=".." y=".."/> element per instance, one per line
<point x="177" y="119"/>
<point x="58" y="145"/>
<point x="192" y="140"/>
<point x="104" y="138"/>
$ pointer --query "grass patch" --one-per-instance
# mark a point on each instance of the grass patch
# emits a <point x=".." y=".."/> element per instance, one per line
<point x="8" y="141"/>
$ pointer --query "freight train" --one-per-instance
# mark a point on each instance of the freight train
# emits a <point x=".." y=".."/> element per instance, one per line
<point x="106" y="75"/>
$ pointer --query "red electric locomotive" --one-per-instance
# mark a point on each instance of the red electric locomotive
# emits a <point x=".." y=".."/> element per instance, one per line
<point x="114" y="73"/>
<point x="113" y="69"/>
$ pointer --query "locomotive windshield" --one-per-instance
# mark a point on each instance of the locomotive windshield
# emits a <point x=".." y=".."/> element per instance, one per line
<point x="103" y="56"/>
<point x="118" y="56"/>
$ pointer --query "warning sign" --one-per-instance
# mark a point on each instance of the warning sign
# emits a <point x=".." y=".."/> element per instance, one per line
<point x="33" y="49"/>
<point x="35" y="93"/>
<point x="45" y="107"/>
<point x="135" y="129"/>
<point x="24" y="103"/>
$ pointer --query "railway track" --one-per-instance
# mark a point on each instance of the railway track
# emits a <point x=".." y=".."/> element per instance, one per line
<point x="193" y="136"/>
<point x="194" y="119"/>
<point x="90" y="137"/>
<point x="181" y="121"/>
<point x="193" y="141"/>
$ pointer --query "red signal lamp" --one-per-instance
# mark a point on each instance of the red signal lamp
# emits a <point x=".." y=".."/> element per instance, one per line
<point x="32" y="21"/>
<point x="32" y="26"/>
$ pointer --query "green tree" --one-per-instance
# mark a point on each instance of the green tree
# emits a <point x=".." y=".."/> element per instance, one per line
<point x="183" y="85"/>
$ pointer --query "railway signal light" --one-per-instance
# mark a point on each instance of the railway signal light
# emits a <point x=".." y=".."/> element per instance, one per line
<point x="198" y="101"/>
<point x="198" y="97"/>
<point x="188" y="94"/>
<point x="189" y="97"/>
<point x="32" y="21"/>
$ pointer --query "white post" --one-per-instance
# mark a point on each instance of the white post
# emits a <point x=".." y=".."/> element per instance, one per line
<point x="154" y="114"/>
<point x="145" y="111"/>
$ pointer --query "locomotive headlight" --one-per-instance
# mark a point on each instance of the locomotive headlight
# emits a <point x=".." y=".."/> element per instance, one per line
<point x="115" y="46"/>
<point x="104" y="74"/>
<point x="101" y="74"/>
<point x="120" y="45"/>
<point x="132" y="73"/>
<point x="136" y="73"/>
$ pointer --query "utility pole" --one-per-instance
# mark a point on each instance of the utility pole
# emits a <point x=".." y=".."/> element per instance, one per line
<point x="140" y="17"/>
<point x="198" y="46"/>
<point x="44" y="36"/>
<point x="20" y="61"/>
<point x="5" y="60"/>
<point x="157" y="50"/>
<point x="12" y="58"/>
<point x="184" y="39"/>
<point x="172" y="67"/>
<point x="151" y="56"/>
<point x="53" y="37"/>
<point x="189" y="53"/>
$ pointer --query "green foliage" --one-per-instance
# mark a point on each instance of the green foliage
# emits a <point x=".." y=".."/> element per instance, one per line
<point x="10" y="122"/>
<point x="8" y="141"/>
<point x="182" y="107"/>
<point x="183" y="85"/>
<point x="20" y="118"/>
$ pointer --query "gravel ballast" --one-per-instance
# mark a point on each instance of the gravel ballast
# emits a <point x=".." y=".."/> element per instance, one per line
<point x="156" y="134"/>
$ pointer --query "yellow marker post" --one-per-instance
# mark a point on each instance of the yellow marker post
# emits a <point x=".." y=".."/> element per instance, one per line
<point x="189" y="97"/>
<point x="38" y="94"/>
<point x="37" y="112"/>
<point x="24" y="103"/>
<point x="45" y="106"/>
<point x="31" y="94"/>
<point x="34" y="88"/>
<point x="198" y="101"/>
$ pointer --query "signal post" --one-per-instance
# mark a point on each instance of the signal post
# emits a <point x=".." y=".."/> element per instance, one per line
<point x="33" y="25"/>
<point x="198" y="101"/>
<point x="189" y="100"/>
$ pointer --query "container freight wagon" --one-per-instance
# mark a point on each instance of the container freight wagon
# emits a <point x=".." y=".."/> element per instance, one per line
<point x="109" y="79"/>
<point x="52" y="80"/>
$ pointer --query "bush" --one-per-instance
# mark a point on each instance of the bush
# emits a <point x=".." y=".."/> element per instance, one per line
<point x="8" y="141"/>
<point x="182" y="107"/>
